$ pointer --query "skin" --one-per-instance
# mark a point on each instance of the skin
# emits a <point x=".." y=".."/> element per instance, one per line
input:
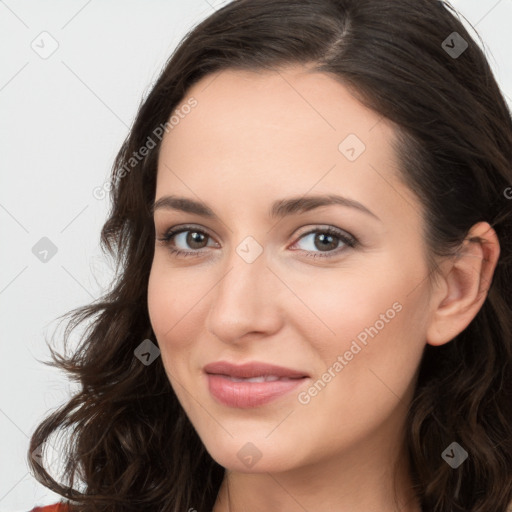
<point x="254" y="138"/>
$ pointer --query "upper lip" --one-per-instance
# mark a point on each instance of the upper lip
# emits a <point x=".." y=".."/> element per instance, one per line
<point x="252" y="369"/>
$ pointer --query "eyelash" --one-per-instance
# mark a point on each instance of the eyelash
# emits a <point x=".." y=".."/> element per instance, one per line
<point x="349" y="240"/>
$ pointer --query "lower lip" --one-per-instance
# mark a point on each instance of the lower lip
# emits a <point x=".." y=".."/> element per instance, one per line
<point x="249" y="394"/>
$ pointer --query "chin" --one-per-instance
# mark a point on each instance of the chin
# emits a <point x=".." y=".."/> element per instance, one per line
<point x="244" y="456"/>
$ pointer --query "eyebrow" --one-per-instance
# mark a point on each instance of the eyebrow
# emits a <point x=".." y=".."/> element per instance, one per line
<point x="279" y="209"/>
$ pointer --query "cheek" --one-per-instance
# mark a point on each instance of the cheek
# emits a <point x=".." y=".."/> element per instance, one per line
<point x="363" y="371"/>
<point x="170" y="307"/>
<point x="171" y="299"/>
<point x="341" y="305"/>
<point x="161" y="302"/>
<point x="374" y="319"/>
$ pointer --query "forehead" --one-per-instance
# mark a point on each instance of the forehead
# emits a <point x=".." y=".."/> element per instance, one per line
<point x="291" y="103"/>
<point x="290" y="129"/>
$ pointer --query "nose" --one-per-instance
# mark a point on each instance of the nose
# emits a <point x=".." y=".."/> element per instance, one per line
<point x="247" y="301"/>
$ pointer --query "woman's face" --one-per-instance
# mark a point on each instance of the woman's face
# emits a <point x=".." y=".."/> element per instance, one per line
<point x="265" y="282"/>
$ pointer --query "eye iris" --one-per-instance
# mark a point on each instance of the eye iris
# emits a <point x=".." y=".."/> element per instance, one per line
<point x="325" y="238"/>
<point x="195" y="238"/>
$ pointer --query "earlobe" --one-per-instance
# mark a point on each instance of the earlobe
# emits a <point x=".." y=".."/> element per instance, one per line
<point x="465" y="283"/>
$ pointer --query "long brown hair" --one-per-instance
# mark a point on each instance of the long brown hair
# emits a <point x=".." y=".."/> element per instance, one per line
<point x="132" y="446"/>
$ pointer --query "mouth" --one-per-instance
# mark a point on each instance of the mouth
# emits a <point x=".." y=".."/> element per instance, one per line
<point x="252" y="384"/>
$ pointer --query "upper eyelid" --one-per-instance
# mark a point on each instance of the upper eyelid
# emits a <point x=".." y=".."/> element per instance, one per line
<point x="192" y="227"/>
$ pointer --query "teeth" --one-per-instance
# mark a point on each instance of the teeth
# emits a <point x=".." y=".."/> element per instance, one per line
<point x="268" y="378"/>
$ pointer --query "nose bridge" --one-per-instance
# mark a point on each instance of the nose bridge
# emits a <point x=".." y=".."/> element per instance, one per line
<point x="244" y="297"/>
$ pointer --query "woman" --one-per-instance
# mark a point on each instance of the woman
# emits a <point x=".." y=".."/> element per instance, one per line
<point x="312" y="222"/>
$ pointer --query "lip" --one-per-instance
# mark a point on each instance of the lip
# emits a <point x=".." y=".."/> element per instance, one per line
<point x="252" y="369"/>
<point x="250" y="394"/>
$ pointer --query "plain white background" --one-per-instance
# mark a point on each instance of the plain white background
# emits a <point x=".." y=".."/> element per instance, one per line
<point x="63" y="119"/>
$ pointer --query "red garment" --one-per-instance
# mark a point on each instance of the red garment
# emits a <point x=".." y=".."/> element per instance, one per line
<point x="56" y="507"/>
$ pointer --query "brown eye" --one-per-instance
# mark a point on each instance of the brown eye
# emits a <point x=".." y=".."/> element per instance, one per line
<point x="326" y="240"/>
<point x="185" y="241"/>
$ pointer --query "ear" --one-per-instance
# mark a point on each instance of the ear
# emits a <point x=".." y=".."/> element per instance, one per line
<point x="463" y="284"/>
